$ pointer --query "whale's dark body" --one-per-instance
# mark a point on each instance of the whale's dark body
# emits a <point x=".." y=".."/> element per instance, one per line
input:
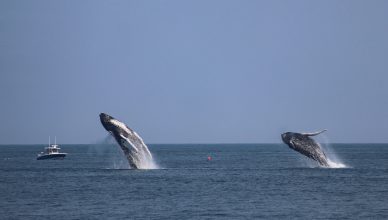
<point x="130" y="142"/>
<point x="304" y="144"/>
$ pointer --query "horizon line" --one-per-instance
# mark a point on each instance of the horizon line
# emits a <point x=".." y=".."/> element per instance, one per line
<point x="199" y="143"/>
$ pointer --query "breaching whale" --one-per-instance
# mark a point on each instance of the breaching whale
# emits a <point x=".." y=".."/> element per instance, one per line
<point x="134" y="148"/>
<point x="304" y="144"/>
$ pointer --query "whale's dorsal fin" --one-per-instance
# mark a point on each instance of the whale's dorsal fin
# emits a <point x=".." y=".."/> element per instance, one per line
<point x="314" y="133"/>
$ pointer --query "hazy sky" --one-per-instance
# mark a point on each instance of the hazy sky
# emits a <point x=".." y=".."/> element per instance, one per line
<point x="195" y="71"/>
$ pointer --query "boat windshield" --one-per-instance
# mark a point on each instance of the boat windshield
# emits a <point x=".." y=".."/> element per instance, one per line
<point x="52" y="149"/>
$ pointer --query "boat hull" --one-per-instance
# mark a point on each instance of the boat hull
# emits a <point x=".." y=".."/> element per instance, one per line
<point x="51" y="156"/>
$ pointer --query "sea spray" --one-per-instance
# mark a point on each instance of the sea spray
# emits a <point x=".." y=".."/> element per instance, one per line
<point x="107" y="148"/>
<point x="117" y="159"/>
<point x="332" y="158"/>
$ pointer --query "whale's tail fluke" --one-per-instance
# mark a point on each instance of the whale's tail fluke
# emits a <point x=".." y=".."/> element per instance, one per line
<point x="314" y="133"/>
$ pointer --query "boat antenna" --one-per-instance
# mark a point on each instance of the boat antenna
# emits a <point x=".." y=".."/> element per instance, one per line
<point x="49" y="141"/>
<point x="55" y="140"/>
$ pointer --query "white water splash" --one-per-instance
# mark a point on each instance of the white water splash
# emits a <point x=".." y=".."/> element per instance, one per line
<point x="332" y="158"/>
<point x="148" y="164"/>
<point x="144" y="159"/>
<point x="333" y="164"/>
<point x="313" y="164"/>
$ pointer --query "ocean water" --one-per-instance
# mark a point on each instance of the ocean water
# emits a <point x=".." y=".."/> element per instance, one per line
<point x="242" y="181"/>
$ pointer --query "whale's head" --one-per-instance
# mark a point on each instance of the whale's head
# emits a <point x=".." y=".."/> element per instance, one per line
<point x="113" y="126"/>
<point x="106" y="121"/>
<point x="286" y="137"/>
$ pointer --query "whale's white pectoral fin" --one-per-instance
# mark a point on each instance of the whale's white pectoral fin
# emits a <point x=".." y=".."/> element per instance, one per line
<point x="128" y="143"/>
<point x="314" y="133"/>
